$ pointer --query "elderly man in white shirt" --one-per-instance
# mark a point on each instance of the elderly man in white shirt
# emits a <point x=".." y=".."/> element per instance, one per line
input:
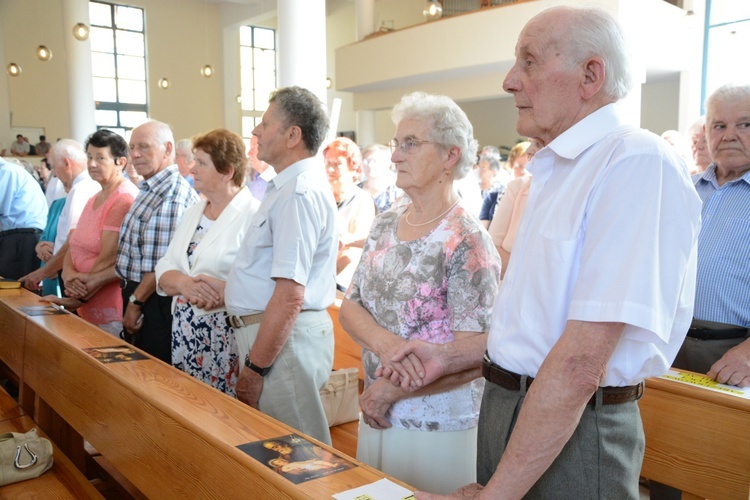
<point x="599" y="294"/>
<point x="69" y="161"/>
<point x="282" y="281"/>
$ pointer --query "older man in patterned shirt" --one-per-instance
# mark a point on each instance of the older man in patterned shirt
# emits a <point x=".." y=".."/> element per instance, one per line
<point x="145" y="235"/>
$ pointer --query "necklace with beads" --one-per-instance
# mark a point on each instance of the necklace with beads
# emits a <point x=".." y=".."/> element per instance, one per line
<point x="431" y="220"/>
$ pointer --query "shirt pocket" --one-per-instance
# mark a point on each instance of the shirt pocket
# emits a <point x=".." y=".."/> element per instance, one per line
<point x="554" y="265"/>
<point x="259" y="231"/>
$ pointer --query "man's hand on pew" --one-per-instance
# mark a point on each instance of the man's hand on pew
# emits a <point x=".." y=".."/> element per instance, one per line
<point x="734" y="367"/>
<point x="249" y="386"/>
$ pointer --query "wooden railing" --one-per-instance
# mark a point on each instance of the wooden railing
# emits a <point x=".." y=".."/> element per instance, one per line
<point x="166" y="433"/>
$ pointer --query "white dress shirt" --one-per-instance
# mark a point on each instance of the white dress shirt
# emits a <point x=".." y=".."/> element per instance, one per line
<point x="609" y="235"/>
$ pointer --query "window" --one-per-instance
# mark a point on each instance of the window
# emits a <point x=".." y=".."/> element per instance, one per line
<point x="257" y="72"/>
<point x="118" y="59"/>
<point x="727" y="39"/>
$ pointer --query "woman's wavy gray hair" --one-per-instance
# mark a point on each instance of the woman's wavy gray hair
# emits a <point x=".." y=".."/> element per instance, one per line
<point x="448" y="124"/>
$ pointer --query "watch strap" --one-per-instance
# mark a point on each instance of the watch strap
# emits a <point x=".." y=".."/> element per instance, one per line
<point x="136" y="301"/>
<point x="257" y="369"/>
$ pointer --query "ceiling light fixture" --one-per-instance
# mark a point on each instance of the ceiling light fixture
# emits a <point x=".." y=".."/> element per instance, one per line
<point x="164" y="83"/>
<point x="14" y="69"/>
<point x="81" y="32"/>
<point x="207" y="71"/>
<point x="43" y="53"/>
<point x="433" y="10"/>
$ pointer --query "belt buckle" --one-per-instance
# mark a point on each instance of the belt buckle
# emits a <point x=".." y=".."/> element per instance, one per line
<point x="235" y="321"/>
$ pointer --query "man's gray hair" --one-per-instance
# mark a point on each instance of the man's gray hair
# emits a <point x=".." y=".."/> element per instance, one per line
<point x="729" y="92"/>
<point x="449" y="125"/>
<point x="303" y="109"/>
<point x="69" y="149"/>
<point x="162" y="134"/>
<point x="186" y="146"/>
<point x="597" y="33"/>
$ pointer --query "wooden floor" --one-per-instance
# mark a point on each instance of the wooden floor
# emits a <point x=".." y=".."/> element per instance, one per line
<point x="344" y="438"/>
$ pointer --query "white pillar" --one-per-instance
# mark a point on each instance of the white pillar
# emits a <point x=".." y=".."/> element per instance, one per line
<point x="365" y="13"/>
<point x="302" y="45"/>
<point x="79" y="73"/>
<point x="365" y="16"/>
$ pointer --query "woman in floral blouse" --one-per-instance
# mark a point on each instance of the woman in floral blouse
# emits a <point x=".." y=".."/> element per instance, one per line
<point x="428" y="271"/>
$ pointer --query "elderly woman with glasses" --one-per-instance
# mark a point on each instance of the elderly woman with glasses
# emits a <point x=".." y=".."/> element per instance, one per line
<point x="428" y="271"/>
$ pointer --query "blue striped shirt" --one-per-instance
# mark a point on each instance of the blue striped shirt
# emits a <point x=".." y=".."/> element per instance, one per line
<point x="723" y="284"/>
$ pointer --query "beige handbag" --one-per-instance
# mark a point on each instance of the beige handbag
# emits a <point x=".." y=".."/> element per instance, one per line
<point x="340" y="396"/>
<point x="23" y="456"/>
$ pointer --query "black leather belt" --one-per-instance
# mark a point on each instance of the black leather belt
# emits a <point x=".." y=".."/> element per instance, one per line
<point x="21" y="231"/>
<point x="512" y="381"/>
<point x="711" y="330"/>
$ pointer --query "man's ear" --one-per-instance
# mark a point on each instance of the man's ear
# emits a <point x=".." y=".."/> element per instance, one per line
<point x="594" y="71"/>
<point x="294" y="136"/>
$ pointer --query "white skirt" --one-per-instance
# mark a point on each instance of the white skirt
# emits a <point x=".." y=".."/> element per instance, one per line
<point x="437" y="462"/>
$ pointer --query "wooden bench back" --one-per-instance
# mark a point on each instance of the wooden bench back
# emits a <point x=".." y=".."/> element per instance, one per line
<point x="167" y="433"/>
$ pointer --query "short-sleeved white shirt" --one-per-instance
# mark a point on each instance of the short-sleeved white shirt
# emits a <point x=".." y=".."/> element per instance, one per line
<point x="82" y="189"/>
<point x="293" y="235"/>
<point x="609" y="235"/>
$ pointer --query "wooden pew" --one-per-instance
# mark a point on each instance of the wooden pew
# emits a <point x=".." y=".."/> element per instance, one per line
<point x="697" y="440"/>
<point x="348" y="354"/>
<point x="167" y="433"/>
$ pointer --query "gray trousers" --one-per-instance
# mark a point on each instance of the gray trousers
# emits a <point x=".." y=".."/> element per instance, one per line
<point x="602" y="459"/>
<point x="291" y="390"/>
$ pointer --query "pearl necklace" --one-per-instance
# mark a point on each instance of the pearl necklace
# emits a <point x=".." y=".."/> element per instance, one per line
<point x="432" y="220"/>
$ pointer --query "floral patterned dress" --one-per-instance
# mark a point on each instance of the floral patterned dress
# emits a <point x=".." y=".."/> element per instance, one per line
<point x="428" y="288"/>
<point x="203" y="346"/>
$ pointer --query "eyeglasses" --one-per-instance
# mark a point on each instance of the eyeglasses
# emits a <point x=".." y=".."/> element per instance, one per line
<point x="407" y="146"/>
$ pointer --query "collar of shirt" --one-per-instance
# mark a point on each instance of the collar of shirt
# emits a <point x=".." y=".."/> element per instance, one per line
<point x="709" y="175"/>
<point x="267" y="174"/>
<point x="156" y="182"/>
<point x="590" y="130"/>
<point x="293" y="171"/>
<point x="83" y="176"/>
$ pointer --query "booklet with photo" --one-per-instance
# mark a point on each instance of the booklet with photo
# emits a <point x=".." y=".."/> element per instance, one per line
<point x="114" y="354"/>
<point x="49" y="310"/>
<point x="296" y="458"/>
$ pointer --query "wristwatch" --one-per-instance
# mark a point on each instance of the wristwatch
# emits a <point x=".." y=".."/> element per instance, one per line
<point x="135" y="301"/>
<point x="257" y="369"/>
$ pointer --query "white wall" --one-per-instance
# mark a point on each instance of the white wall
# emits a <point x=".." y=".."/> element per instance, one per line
<point x="183" y="35"/>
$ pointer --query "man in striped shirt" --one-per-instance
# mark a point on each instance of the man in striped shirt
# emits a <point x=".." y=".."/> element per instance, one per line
<point x="723" y="284"/>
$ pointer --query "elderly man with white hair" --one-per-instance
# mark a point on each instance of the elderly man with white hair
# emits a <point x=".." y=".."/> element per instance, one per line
<point x="720" y="348"/>
<point x="69" y="161"/>
<point x="601" y="294"/>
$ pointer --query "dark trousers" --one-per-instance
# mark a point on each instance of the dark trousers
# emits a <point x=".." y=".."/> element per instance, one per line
<point x="155" y="336"/>
<point x="18" y="253"/>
